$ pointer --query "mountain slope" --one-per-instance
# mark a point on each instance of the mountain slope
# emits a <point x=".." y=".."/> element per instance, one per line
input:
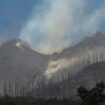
<point x="71" y="59"/>
<point x="17" y="60"/>
<point x="88" y="77"/>
<point x="88" y="43"/>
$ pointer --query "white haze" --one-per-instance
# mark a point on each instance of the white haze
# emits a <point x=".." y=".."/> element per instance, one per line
<point x="57" y="24"/>
<point x="75" y="63"/>
<point x="56" y="66"/>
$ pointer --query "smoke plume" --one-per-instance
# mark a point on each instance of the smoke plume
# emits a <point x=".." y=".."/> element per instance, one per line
<point x="57" y="24"/>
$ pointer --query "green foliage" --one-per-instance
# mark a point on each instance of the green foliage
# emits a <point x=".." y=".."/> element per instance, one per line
<point x="94" y="96"/>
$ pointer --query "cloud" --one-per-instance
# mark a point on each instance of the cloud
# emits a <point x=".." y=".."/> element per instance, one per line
<point x="56" y="24"/>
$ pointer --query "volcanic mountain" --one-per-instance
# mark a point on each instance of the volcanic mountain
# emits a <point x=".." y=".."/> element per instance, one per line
<point x="18" y="60"/>
<point x="74" y="58"/>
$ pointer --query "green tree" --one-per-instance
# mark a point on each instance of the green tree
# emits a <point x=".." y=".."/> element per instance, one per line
<point x="93" y="96"/>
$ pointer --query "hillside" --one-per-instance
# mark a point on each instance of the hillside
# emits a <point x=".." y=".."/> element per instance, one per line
<point x="19" y="61"/>
<point x="88" y="77"/>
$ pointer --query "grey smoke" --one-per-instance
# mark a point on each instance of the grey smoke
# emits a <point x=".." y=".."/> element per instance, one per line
<point x="56" y="24"/>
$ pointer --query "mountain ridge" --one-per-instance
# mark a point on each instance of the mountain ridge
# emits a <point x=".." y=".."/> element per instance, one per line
<point x="19" y="60"/>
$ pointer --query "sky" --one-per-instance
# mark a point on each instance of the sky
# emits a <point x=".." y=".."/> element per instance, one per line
<point x="51" y="25"/>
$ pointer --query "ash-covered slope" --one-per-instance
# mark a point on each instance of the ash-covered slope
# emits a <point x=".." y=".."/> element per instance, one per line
<point x="72" y="58"/>
<point x="17" y="57"/>
<point x="94" y="49"/>
<point x="88" y="77"/>
<point x="18" y="60"/>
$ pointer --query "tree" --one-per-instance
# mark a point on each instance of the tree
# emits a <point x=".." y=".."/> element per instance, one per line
<point x="93" y="96"/>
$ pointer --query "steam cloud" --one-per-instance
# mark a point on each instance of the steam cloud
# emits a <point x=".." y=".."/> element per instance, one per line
<point x="56" y="24"/>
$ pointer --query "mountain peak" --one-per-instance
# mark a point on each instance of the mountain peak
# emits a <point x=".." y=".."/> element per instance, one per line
<point x="17" y="43"/>
<point x="96" y="39"/>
